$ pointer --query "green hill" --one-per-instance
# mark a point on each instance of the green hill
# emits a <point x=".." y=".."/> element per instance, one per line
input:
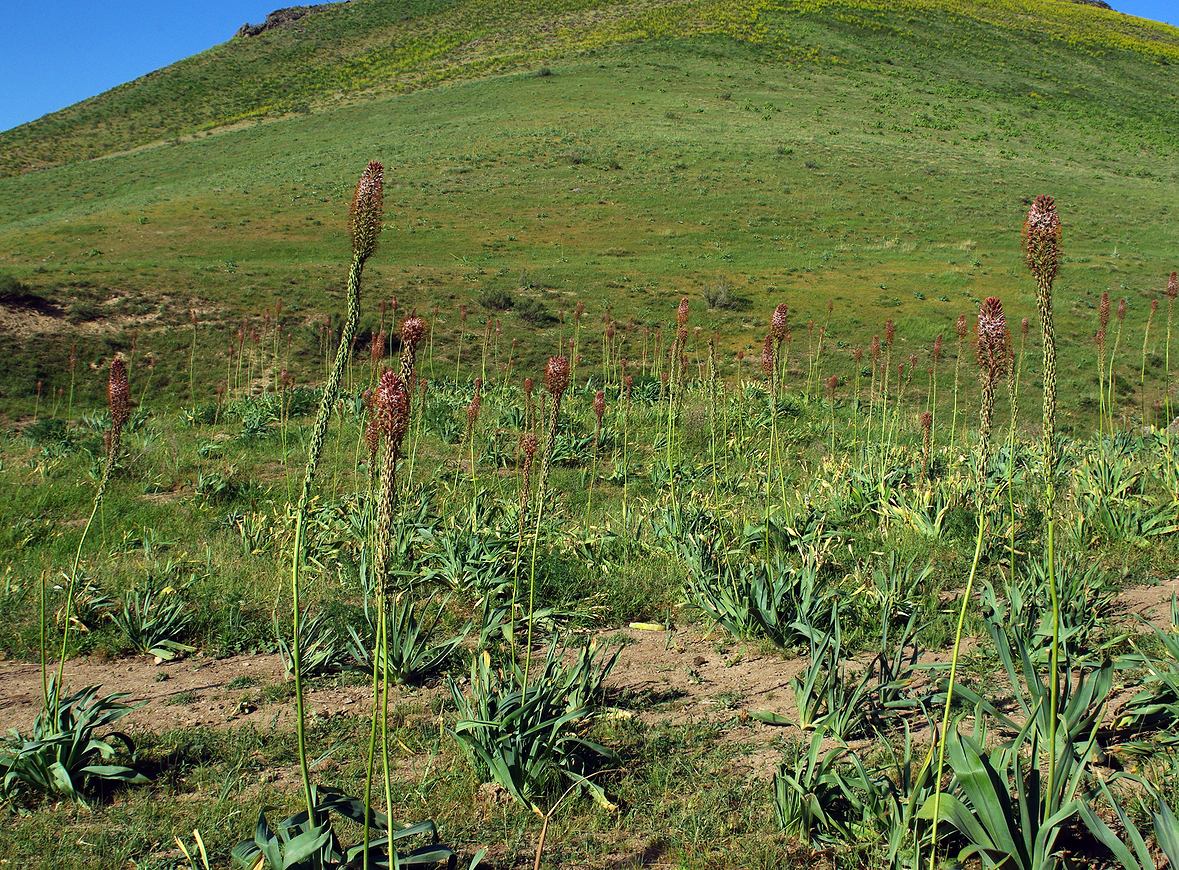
<point x="356" y="50"/>
<point x="878" y="154"/>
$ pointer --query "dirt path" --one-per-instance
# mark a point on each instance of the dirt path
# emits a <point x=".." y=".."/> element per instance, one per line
<point x="674" y="677"/>
<point x="196" y="691"/>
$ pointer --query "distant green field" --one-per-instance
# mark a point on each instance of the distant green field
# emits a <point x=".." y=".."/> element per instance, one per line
<point x="881" y="160"/>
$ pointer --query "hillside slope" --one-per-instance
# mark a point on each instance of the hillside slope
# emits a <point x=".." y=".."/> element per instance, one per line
<point x="369" y="47"/>
<point x="878" y="159"/>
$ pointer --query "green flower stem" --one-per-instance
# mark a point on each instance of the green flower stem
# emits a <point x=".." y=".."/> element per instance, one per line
<point x="954" y="413"/>
<point x="315" y="451"/>
<point x="372" y="742"/>
<point x="71" y="586"/>
<point x="1113" y="357"/>
<point x="941" y="751"/>
<point x="1142" y="374"/>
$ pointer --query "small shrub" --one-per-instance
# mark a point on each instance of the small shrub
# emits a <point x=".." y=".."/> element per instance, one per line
<point x="534" y="312"/>
<point x="496" y="299"/>
<point x="722" y="296"/>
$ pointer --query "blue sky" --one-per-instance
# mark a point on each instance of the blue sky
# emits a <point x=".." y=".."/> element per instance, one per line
<point x="53" y="54"/>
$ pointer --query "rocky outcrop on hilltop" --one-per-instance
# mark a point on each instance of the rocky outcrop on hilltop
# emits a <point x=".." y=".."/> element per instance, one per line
<point x="280" y="18"/>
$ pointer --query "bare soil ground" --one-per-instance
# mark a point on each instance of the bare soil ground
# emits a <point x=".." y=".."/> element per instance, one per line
<point x="675" y="677"/>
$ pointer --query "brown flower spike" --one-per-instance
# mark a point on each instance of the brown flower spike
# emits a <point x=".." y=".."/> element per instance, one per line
<point x="118" y="394"/>
<point x="368" y="210"/>
<point x="992" y="337"/>
<point x="556" y="376"/>
<point x="392" y="407"/>
<point x="767" y="357"/>
<point x="992" y="361"/>
<point x="1041" y="239"/>
<point x="778" y="322"/>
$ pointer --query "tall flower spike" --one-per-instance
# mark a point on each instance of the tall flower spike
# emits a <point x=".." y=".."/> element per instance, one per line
<point x="413" y="330"/>
<point x="778" y="322"/>
<point x="599" y="406"/>
<point x="1041" y="239"/>
<point x="1121" y="310"/>
<point x="1173" y="286"/>
<point x="556" y="376"/>
<point x="372" y="438"/>
<point x="392" y="406"/>
<point x="118" y="394"/>
<point x="992" y="360"/>
<point x="473" y="411"/>
<point x="890" y="332"/>
<point x="767" y="357"/>
<point x="960" y="326"/>
<point x="476" y="402"/>
<point x="992" y="337"/>
<point x="368" y="210"/>
<point x="1103" y="309"/>
<point x="681" y="314"/>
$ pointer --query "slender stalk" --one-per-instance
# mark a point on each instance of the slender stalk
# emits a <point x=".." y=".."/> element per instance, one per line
<point x="192" y="364"/>
<point x="385" y="736"/>
<point x="954" y="413"/>
<point x="1142" y="374"/>
<point x="71" y="586"/>
<point x="1017" y="373"/>
<point x="44" y="647"/>
<point x="945" y="725"/>
<point x="1113" y="358"/>
<point x="1102" y="412"/>
<point x="671" y="382"/>
<point x="315" y="450"/>
<point x="370" y="765"/>
<point x="625" y="457"/>
<point x="1167" y="361"/>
